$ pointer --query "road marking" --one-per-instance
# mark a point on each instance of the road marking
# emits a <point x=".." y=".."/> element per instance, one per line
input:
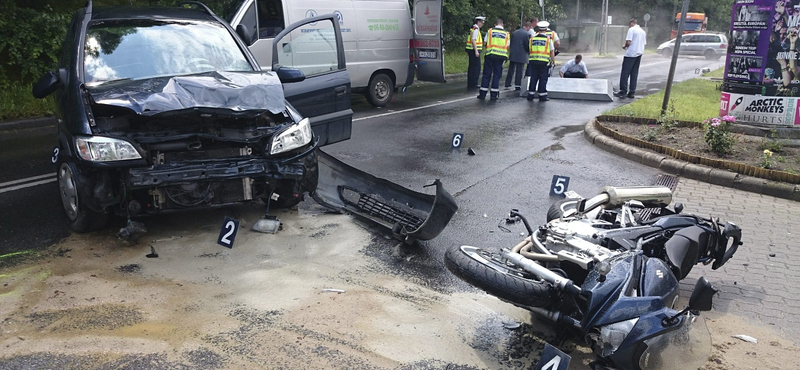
<point x="27" y="182"/>
<point x="412" y="109"/>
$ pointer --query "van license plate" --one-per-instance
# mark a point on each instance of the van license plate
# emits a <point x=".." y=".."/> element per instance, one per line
<point x="427" y="54"/>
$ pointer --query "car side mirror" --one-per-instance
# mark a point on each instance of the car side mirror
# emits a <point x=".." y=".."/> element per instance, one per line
<point x="46" y="85"/>
<point x="702" y="295"/>
<point x="244" y="34"/>
<point x="288" y="75"/>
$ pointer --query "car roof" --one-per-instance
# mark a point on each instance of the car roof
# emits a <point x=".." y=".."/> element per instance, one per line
<point x="150" y="13"/>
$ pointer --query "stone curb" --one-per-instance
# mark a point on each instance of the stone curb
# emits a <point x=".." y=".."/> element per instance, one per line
<point x="690" y="170"/>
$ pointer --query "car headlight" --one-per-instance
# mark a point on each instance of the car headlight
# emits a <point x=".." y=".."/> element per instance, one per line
<point x="294" y="137"/>
<point x="611" y="336"/>
<point x="105" y="149"/>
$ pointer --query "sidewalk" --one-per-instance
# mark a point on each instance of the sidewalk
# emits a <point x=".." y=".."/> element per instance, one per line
<point x="760" y="282"/>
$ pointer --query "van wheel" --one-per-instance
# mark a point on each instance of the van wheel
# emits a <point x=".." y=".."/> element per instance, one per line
<point x="380" y="90"/>
<point x="666" y="53"/>
<point x="710" y="54"/>
<point x="73" y="187"/>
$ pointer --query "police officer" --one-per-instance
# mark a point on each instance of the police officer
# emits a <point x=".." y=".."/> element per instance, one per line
<point x="540" y="59"/>
<point x="497" y="40"/>
<point x="474" y="49"/>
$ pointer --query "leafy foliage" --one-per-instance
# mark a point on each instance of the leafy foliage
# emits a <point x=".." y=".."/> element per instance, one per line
<point x="29" y="41"/>
<point x="718" y="136"/>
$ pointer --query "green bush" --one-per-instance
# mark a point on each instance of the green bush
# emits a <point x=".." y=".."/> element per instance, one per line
<point x="29" y="42"/>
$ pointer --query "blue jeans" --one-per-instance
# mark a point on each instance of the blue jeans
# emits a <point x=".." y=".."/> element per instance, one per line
<point x="630" y="68"/>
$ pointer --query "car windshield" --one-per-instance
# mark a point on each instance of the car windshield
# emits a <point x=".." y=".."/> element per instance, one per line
<point x="145" y="49"/>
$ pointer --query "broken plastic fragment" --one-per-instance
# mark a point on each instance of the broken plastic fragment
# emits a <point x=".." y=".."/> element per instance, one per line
<point x="746" y="338"/>
<point x="329" y="290"/>
<point x="511" y="325"/>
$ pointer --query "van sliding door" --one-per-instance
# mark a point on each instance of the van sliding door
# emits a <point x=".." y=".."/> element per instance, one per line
<point x="427" y="43"/>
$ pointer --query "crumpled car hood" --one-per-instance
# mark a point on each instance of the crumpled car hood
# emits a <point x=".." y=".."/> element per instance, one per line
<point x="237" y="91"/>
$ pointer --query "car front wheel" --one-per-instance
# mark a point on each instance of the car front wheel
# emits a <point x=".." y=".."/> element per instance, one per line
<point x="666" y="53"/>
<point x="72" y="188"/>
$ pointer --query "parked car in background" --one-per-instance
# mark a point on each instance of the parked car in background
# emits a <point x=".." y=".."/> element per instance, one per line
<point x="163" y="109"/>
<point x="709" y="45"/>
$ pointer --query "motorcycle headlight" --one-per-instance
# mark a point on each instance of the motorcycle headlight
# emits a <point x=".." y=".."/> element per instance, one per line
<point x="294" y="137"/>
<point x="611" y="336"/>
<point x="105" y="149"/>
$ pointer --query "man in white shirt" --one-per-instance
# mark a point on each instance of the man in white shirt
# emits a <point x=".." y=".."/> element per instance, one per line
<point x="575" y="68"/>
<point x="634" y="48"/>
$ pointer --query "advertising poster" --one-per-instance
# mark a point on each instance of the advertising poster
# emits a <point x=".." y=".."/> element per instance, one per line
<point x="761" y="110"/>
<point x="764" y="53"/>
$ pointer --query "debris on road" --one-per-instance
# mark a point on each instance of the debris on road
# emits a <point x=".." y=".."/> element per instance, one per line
<point x="746" y="338"/>
<point x="329" y="290"/>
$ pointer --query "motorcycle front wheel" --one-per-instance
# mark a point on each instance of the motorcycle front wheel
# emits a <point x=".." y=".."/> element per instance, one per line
<point x="486" y="270"/>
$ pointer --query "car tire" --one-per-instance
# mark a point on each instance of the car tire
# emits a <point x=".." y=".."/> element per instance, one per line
<point x="710" y="54"/>
<point x="74" y="190"/>
<point x="666" y="53"/>
<point x="380" y="90"/>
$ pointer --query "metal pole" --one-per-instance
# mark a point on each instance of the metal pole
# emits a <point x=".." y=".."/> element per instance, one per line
<point x="674" y="61"/>
<point x="578" y="11"/>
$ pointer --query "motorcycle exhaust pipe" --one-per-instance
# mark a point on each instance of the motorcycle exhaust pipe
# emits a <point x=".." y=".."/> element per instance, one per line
<point x="557" y="280"/>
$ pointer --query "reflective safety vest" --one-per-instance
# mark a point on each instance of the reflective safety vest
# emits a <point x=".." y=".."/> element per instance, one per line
<point x="497" y="42"/>
<point x="478" y="41"/>
<point x="539" y="48"/>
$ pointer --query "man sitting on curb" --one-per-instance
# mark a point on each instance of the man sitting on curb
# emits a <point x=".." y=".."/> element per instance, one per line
<point x="575" y="68"/>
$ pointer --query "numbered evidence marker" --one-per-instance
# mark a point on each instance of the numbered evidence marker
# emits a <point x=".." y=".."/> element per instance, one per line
<point x="553" y="359"/>
<point x="559" y="186"/>
<point x="228" y="233"/>
<point x="458" y="139"/>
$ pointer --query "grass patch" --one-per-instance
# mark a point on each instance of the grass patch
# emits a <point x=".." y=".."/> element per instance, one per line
<point x="694" y="100"/>
<point x="456" y="61"/>
<point x="717" y="73"/>
<point x="17" y="101"/>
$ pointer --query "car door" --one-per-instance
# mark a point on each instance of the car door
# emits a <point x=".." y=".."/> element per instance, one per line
<point x="315" y="47"/>
<point x="428" y="56"/>
<point x="689" y="45"/>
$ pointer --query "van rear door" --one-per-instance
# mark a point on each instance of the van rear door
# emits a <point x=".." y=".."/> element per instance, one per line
<point x="427" y="43"/>
<point x="315" y="46"/>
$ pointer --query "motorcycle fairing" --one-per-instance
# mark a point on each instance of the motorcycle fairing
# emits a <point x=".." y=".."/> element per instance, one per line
<point x="408" y="214"/>
<point x="685" y="247"/>
<point x="648" y="286"/>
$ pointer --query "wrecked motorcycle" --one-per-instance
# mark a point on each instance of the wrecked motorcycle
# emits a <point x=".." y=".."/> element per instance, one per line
<point x="608" y="268"/>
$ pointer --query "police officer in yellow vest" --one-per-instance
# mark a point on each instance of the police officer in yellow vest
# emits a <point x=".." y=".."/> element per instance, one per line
<point x="540" y="59"/>
<point x="497" y="40"/>
<point x="474" y="50"/>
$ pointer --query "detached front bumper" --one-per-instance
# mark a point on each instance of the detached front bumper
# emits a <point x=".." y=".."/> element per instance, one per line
<point x="408" y="214"/>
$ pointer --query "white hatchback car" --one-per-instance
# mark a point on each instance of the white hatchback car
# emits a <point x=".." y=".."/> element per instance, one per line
<point x="710" y="45"/>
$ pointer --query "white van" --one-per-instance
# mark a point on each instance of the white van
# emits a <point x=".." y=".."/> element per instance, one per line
<point x="383" y="44"/>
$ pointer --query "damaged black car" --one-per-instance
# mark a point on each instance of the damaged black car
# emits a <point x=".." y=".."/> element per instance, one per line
<point x="163" y="109"/>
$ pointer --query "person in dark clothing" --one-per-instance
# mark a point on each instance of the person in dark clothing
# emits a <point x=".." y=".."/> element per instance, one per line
<point x="518" y="55"/>
<point x="541" y="57"/>
<point x="497" y="40"/>
<point x="474" y="49"/>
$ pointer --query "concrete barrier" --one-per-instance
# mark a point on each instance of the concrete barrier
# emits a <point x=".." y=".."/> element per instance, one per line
<point x="576" y="88"/>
